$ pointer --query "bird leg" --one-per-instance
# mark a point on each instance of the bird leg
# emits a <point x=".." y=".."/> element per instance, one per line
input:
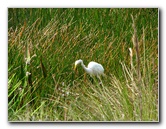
<point x="100" y="81"/>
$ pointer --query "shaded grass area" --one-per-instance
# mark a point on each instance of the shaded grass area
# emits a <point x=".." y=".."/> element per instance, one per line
<point x="43" y="46"/>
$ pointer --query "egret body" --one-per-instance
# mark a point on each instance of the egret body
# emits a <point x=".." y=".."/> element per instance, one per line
<point x="93" y="69"/>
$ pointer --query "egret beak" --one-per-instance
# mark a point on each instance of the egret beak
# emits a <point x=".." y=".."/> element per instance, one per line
<point x="75" y="67"/>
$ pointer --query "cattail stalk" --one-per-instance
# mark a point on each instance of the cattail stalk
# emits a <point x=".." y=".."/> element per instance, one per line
<point x="131" y="60"/>
<point x="136" y="46"/>
<point x="44" y="71"/>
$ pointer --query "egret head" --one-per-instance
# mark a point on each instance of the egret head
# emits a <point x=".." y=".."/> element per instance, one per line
<point x="76" y="63"/>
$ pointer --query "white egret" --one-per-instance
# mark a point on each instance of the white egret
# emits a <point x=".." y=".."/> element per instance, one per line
<point x="93" y="69"/>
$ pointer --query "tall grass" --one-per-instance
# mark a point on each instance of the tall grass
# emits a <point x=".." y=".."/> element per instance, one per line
<point x="44" y="44"/>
